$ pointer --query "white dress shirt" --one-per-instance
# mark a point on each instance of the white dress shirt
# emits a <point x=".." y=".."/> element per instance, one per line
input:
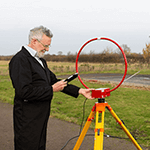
<point x="33" y="53"/>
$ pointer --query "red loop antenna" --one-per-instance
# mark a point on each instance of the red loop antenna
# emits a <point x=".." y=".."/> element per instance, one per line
<point x="108" y="39"/>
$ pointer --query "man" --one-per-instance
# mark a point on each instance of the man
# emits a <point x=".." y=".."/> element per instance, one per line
<point x="34" y="86"/>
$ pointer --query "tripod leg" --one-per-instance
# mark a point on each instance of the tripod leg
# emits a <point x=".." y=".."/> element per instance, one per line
<point x="85" y="129"/>
<point x="124" y="128"/>
<point x="99" y="126"/>
<point x="99" y="132"/>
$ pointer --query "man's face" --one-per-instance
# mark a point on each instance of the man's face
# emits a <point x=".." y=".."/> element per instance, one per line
<point x="43" y="45"/>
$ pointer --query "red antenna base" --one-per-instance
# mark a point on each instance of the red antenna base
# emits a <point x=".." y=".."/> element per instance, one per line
<point x="100" y="92"/>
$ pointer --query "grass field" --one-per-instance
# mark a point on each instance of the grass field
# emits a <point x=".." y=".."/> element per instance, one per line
<point x="131" y="105"/>
<point x="68" y="67"/>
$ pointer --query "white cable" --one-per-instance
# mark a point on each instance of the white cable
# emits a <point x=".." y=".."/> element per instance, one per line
<point x="131" y="76"/>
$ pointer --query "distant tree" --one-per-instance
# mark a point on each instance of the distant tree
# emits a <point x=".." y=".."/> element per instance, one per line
<point x="107" y="50"/>
<point x="146" y="53"/>
<point x="60" y="52"/>
<point x="69" y="53"/>
<point x="70" y="57"/>
<point x="125" y="48"/>
<point x="92" y="52"/>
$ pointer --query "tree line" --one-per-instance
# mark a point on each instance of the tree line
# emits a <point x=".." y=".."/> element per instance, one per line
<point x="106" y="56"/>
<point x="98" y="58"/>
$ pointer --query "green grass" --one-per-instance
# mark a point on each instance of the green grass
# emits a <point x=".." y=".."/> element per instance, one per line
<point x="6" y="89"/>
<point x="131" y="105"/>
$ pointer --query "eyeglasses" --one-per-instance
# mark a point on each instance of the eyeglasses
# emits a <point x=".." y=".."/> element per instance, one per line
<point x="46" y="46"/>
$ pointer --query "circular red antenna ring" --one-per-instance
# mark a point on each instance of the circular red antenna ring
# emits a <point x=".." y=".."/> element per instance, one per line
<point x="108" y="39"/>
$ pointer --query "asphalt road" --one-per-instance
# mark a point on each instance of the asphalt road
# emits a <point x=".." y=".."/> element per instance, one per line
<point x="141" y="80"/>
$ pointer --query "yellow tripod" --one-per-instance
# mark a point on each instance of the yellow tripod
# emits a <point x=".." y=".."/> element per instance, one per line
<point x="99" y="108"/>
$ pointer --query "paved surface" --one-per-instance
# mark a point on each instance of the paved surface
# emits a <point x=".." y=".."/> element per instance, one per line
<point x="141" y="80"/>
<point x="59" y="132"/>
<point x="137" y="79"/>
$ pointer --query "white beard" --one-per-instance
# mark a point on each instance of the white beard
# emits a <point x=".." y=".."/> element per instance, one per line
<point x="40" y="54"/>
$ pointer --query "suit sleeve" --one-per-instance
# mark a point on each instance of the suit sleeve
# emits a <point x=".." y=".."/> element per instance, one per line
<point x="21" y="76"/>
<point x="71" y="90"/>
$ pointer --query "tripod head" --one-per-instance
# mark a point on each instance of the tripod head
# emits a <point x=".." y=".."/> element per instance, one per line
<point x="101" y="100"/>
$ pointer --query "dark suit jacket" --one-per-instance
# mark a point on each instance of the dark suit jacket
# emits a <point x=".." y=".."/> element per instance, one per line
<point x="33" y="95"/>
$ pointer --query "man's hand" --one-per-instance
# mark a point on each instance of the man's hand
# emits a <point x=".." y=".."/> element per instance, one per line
<point x="59" y="86"/>
<point x="86" y="93"/>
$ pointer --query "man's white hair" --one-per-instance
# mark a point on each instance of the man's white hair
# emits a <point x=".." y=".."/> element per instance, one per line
<point x="37" y="33"/>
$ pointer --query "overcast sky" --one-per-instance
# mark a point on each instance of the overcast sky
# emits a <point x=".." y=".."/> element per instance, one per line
<point x="74" y="22"/>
